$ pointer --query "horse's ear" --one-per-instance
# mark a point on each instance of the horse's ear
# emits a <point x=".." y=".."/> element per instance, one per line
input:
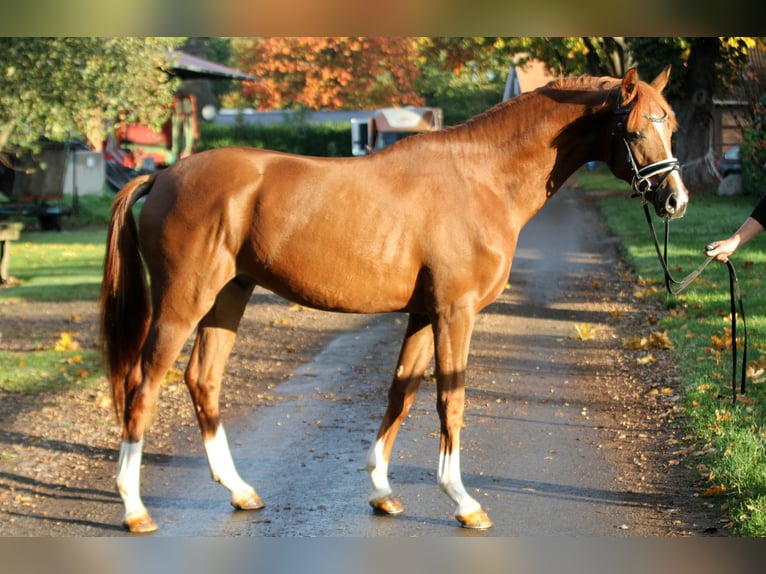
<point x="629" y="86"/>
<point x="661" y="80"/>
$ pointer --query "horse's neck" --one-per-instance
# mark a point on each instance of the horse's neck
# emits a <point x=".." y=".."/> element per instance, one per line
<point x="529" y="148"/>
<point x="546" y="139"/>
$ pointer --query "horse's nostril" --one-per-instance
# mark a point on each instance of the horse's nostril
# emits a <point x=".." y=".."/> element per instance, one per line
<point x="670" y="205"/>
<point x="675" y="205"/>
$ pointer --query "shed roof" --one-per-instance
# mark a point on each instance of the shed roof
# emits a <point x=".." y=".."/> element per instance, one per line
<point x="188" y="67"/>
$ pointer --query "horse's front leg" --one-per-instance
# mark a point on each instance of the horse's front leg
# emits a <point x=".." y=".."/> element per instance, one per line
<point x="453" y="336"/>
<point x="213" y="344"/>
<point x="415" y="356"/>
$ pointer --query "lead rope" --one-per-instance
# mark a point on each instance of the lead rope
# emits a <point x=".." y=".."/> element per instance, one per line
<point x="675" y="287"/>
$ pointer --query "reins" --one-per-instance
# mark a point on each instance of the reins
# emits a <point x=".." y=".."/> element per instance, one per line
<point x="675" y="287"/>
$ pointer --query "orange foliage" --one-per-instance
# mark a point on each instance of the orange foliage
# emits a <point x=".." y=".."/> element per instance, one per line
<point x="329" y="73"/>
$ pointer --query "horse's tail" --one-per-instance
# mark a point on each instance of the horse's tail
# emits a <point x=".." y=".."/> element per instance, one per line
<point x="125" y="304"/>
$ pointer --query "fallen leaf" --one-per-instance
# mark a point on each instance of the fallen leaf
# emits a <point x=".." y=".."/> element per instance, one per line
<point x="585" y="331"/>
<point x="722" y="415"/>
<point x="104" y="401"/>
<point x="66" y="342"/>
<point x="655" y="340"/>
<point x="634" y="343"/>
<point x="716" y="490"/>
<point x="721" y="341"/>
<point x="174" y="376"/>
<point x="660" y="340"/>
<point x="755" y="373"/>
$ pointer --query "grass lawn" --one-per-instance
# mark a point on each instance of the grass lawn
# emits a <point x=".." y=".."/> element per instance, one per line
<point x="726" y="443"/>
<point x="52" y="267"/>
<point x="56" y="266"/>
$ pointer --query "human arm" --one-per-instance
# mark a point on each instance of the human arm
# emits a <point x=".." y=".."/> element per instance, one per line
<point x="721" y="250"/>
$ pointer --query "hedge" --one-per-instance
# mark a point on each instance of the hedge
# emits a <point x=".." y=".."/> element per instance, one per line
<point x="327" y="139"/>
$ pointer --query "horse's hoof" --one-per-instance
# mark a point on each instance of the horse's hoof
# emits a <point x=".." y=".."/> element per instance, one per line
<point x="248" y="501"/>
<point x="477" y="520"/>
<point x="139" y="524"/>
<point x="387" y="505"/>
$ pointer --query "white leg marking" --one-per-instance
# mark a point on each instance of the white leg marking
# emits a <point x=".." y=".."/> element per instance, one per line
<point x="377" y="467"/>
<point x="222" y="465"/>
<point x="450" y="482"/>
<point x="129" y="477"/>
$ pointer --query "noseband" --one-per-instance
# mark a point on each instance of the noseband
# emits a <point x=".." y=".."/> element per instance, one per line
<point x="641" y="183"/>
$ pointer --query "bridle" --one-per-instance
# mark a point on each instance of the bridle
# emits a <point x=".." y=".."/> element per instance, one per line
<point x="642" y="186"/>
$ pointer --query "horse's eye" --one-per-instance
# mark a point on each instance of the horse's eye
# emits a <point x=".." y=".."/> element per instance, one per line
<point x="635" y="136"/>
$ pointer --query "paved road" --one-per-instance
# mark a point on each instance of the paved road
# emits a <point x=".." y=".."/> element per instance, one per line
<point x="532" y="447"/>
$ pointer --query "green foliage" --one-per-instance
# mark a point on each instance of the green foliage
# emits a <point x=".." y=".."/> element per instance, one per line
<point x="461" y="96"/>
<point x="459" y="104"/>
<point x="563" y="55"/>
<point x="463" y="76"/>
<point x="653" y="54"/>
<point x="56" y="88"/>
<point x="753" y="152"/>
<point x="326" y="140"/>
<point x="729" y="56"/>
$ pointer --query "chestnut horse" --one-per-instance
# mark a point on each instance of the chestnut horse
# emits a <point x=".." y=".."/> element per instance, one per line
<point x="427" y="227"/>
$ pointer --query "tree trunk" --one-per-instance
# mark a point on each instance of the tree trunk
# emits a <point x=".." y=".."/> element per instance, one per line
<point x="695" y="113"/>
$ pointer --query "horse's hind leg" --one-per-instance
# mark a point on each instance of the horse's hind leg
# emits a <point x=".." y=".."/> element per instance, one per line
<point x="215" y="339"/>
<point x="415" y="356"/>
<point x="163" y="343"/>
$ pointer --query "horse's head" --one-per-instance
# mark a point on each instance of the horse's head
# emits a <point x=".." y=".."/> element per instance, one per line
<point x="644" y="125"/>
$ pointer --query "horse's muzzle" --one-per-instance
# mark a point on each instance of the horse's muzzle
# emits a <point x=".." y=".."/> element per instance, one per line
<point x="669" y="202"/>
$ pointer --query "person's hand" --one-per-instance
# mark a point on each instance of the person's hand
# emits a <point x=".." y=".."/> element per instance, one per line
<point x="721" y="250"/>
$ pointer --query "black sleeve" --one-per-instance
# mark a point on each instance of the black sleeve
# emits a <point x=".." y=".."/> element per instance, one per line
<point x="759" y="213"/>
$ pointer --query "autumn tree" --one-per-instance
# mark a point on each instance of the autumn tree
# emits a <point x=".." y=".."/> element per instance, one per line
<point x="57" y="88"/>
<point x="328" y="73"/>
<point x="483" y="54"/>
